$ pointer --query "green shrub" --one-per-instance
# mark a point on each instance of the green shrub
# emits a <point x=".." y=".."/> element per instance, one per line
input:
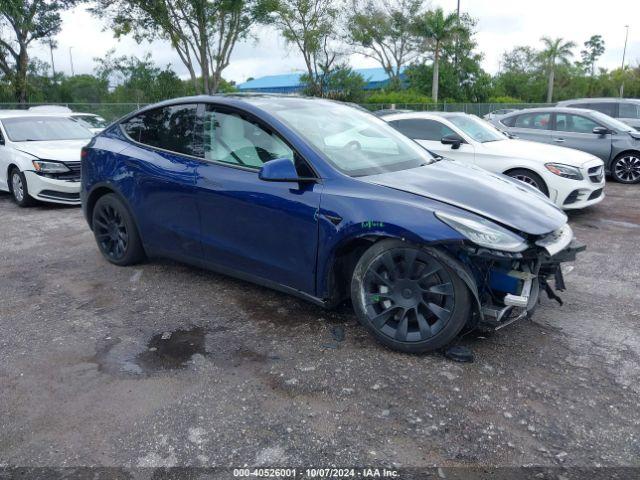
<point x="397" y="97"/>
<point x="504" y="99"/>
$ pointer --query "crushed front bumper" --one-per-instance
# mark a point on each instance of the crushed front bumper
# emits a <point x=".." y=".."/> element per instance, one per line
<point x="508" y="286"/>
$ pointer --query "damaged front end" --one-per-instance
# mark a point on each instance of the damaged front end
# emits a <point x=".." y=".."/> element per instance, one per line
<point x="508" y="284"/>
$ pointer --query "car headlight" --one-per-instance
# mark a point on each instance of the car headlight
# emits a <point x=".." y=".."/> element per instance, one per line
<point x="565" y="171"/>
<point x="45" y="166"/>
<point x="484" y="233"/>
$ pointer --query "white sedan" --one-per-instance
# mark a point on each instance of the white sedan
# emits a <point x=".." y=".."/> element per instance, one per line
<point x="570" y="178"/>
<point x="40" y="157"/>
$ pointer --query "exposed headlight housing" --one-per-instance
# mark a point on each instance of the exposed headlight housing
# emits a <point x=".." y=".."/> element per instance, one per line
<point x="47" y="166"/>
<point x="484" y="233"/>
<point x="565" y="171"/>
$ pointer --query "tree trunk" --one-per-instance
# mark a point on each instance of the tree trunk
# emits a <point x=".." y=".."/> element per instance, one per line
<point x="552" y="75"/>
<point x="436" y="74"/>
<point x="20" y="85"/>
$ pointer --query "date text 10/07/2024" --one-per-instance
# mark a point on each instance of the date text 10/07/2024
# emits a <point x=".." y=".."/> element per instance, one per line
<point x="335" y="473"/>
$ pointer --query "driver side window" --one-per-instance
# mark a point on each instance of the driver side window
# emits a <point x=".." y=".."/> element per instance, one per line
<point x="230" y="138"/>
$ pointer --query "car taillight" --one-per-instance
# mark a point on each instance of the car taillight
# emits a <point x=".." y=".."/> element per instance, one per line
<point x="84" y="152"/>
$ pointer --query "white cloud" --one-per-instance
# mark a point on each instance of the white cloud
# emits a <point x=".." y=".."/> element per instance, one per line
<point x="502" y="24"/>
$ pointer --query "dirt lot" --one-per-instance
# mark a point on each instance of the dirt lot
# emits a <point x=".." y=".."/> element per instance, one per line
<point x="164" y="365"/>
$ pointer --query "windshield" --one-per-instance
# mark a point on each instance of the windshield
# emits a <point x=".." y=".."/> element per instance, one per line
<point x="611" y="123"/>
<point x="90" y="121"/>
<point x="477" y="129"/>
<point x="355" y="142"/>
<point x="32" y="129"/>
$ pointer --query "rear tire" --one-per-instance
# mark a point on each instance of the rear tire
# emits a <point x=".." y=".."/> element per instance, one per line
<point x="530" y="178"/>
<point x="116" y="232"/>
<point x="625" y="168"/>
<point x="19" y="189"/>
<point x="408" y="297"/>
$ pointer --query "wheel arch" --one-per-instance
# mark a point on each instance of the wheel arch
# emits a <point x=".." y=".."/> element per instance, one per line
<point x="528" y="169"/>
<point x="348" y="253"/>
<point x="100" y="190"/>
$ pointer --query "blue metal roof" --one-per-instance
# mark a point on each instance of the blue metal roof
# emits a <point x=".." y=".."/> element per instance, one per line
<point x="290" y="82"/>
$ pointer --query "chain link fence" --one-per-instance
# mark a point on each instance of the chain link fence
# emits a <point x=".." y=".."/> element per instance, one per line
<point x="113" y="111"/>
<point x="479" y="109"/>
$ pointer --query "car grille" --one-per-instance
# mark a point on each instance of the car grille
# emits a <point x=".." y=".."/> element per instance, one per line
<point x="596" y="174"/>
<point x="595" y="194"/>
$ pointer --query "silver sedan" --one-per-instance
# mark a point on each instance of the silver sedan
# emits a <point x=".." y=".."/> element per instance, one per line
<point x="616" y="143"/>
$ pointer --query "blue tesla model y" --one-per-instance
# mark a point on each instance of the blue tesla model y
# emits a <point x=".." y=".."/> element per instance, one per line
<point x="324" y="201"/>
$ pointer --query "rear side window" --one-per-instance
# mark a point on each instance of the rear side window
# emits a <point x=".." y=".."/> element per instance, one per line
<point x="170" y="128"/>
<point x="535" y="121"/>
<point x="610" y="109"/>
<point x="421" y="129"/>
<point x="629" y="110"/>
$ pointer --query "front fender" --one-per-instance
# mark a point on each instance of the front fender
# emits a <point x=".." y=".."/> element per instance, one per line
<point x="366" y="214"/>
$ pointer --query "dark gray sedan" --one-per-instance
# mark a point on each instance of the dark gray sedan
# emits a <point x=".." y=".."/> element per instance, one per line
<point x="616" y="143"/>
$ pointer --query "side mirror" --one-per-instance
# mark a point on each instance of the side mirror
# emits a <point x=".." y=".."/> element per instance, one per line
<point x="454" y="140"/>
<point x="601" y="130"/>
<point x="281" y="170"/>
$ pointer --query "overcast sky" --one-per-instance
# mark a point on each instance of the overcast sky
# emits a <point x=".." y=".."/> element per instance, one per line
<point x="502" y="24"/>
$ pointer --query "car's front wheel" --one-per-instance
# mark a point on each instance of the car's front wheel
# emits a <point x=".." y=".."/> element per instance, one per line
<point x="530" y="178"/>
<point x="19" y="189"/>
<point x="116" y="232"/>
<point x="626" y="168"/>
<point x="408" y="297"/>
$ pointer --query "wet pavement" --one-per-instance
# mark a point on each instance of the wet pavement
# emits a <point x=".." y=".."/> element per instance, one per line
<point x="162" y="364"/>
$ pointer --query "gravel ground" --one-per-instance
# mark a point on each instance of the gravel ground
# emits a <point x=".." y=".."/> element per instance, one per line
<point x="167" y="365"/>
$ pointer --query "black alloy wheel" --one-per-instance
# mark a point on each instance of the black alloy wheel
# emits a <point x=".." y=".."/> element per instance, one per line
<point x="115" y="231"/>
<point x="408" y="297"/>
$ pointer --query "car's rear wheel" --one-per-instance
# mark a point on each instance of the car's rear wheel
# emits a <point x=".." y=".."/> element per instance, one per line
<point x="626" y="168"/>
<point x="530" y="178"/>
<point x="408" y="297"/>
<point x="116" y="232"/>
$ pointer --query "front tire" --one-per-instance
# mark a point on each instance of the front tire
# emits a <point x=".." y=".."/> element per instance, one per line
<point x="530" y="178"/>
<point x="116" y="232"/>
<point x="19" y="189"/>
<point x="408" y="297"/>
<point x="626" y="168"/>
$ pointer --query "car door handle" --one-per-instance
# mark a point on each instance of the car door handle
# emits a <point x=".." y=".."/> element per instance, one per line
<point x="559" y="140"/>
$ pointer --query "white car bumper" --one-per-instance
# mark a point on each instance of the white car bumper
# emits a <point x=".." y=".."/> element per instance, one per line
<point x="576" y="194"/>
<point x="53" y="190"/>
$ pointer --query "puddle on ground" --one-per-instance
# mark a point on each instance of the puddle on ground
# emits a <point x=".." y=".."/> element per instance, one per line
<point x="164" y="351"/>
<point x="172" y="350"/>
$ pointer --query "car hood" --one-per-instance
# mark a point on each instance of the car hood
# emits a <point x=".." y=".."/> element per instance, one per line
<point x="537" y="151"/>
<point x="493" y="196"/>
<point x="60" y="150"/>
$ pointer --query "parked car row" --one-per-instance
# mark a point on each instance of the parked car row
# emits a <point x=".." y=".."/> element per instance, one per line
<point x="428" y="223"/>
<point x="570" y="178"/>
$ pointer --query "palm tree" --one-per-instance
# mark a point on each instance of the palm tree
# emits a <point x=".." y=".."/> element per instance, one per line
<point x="556" y="51"/>
<point x="436" y="28"/>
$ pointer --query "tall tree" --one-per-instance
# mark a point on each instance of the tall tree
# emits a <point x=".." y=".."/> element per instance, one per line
<point x="436" y="28"/>
<point x="203" y="32"/>
<point x="23" y="22"/>
<point x="556" y="52"/>
<point x="593" y="50"/>
<point x="384" y="31"/>
<point x="310" y="26"/>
